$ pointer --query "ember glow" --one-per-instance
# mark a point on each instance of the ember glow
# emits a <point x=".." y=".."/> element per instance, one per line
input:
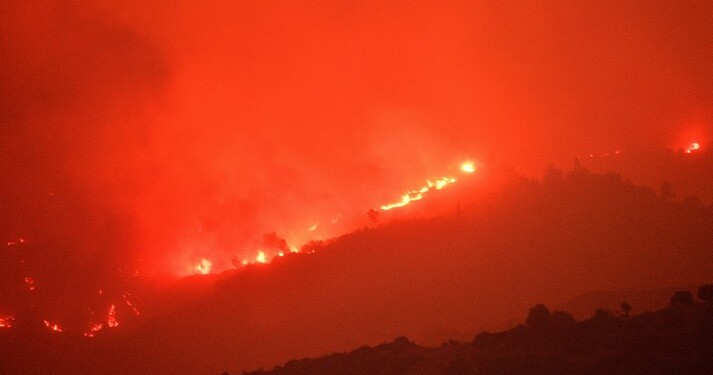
<point x="16" y="242"/>
<point x="111" y="321"/>
<point x="466" y="167"/>
<point x="261" y="257"/>
<point x="694" y="146"/>
<point x="93" y="329"/>
<point x="180" y="135"/>
<point x="30" y="283"/>
<point x="204" y="267"/>
<point x="53" y="326"/>
<point x="131" y="305"/>
<point x="6" y="322"/>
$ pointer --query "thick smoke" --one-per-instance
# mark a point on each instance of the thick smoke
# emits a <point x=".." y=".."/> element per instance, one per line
<point x="147" y="136"/>
<point x="77" y="88"/>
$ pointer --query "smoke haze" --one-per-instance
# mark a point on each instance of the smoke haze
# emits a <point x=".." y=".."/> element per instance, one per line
<point x="146" y="136"/>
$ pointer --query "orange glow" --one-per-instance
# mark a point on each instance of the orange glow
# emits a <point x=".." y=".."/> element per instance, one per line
<point x="442" y="182"/>
<point x="111" y="321"/>
<point x="53" y="326"/>
<point x="16" y="242"/>
<point x="437" y="184"/>
<point x="30" y="283"/>
<point x="130" y="304"/>
<point x="6" y="322"/>
<point x="93" y="329"/>
<point x="467" y="167"/>
<point x="204" y="267"/>
<point x="694" y="146"/>
<point x="261" y="258"/>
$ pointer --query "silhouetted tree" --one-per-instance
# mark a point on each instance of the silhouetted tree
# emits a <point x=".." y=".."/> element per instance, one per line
<point x="705" y="293"/>
<point x="539" y="316"/>
<point x="682" y="297"/>
<point x="625" y="308"/>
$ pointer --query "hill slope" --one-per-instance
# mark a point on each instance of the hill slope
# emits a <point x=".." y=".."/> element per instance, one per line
<point x="678" y="339"/>
<point x="531" y="242"/>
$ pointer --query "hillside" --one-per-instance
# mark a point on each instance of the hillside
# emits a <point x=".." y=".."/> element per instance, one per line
<point x="472" y="270"/>
<point x="678" y="339"/>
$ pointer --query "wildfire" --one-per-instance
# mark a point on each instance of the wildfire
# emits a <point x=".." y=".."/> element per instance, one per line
<point x="616" y="152"/>
<point x="434" y="184"/>
<point x="53" y="326"/>
<point x="261" y="258"/>
<point x="93" y="328"/>
<point x="467" y="167"/>
<point x="16" y="242"/>
<point x="125" y="296"/>
<point x="30" y="282"/>
<point x="694" y="146"/>
<point x="111" y="321"/>
<point x="7" y="321"/>
<point x="203" y="268"/>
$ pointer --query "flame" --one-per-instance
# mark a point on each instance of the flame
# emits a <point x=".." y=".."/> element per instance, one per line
<point x="203" y="268"/>
<point x="93" y="328"/>
<point x="111" y="321"/>
<point x="30" y="283"/>
<point x="604" y="154"/>
<point x="130" y="304"/>
<point x="16" y="242"/>
<point x="467" y="167"/>
<point x="694" y="146"/>
<point x="7" y="321"/>
<point x="53" y="326"/>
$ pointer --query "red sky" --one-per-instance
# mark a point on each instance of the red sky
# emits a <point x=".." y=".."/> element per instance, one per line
<point x="164" y="131"/>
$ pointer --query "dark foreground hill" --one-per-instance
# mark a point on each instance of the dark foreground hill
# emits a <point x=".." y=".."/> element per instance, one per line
<point x="675" y="340"/>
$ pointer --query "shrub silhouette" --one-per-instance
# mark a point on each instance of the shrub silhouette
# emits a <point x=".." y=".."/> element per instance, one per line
<point x="705" y="293"/>
<point x="539" y="317"/>
<point x="625" y="308"/>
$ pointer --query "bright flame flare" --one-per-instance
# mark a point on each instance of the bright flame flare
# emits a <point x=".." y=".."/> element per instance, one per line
<point x="16" y="242"/>
<point x="111" y="321"/>
<point x="203" y="268"/>
<point x="53" y="326"/>
<point x="467" y="167"/>
<point x="94" y="328"/>
<point x="695" y="146"/>
<point x="261" y="258"/>
<point x="7" y="321"/>
<point x="437" y="184"/>
<point x="30" y="283"/>
<point x="136" y="311"/>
